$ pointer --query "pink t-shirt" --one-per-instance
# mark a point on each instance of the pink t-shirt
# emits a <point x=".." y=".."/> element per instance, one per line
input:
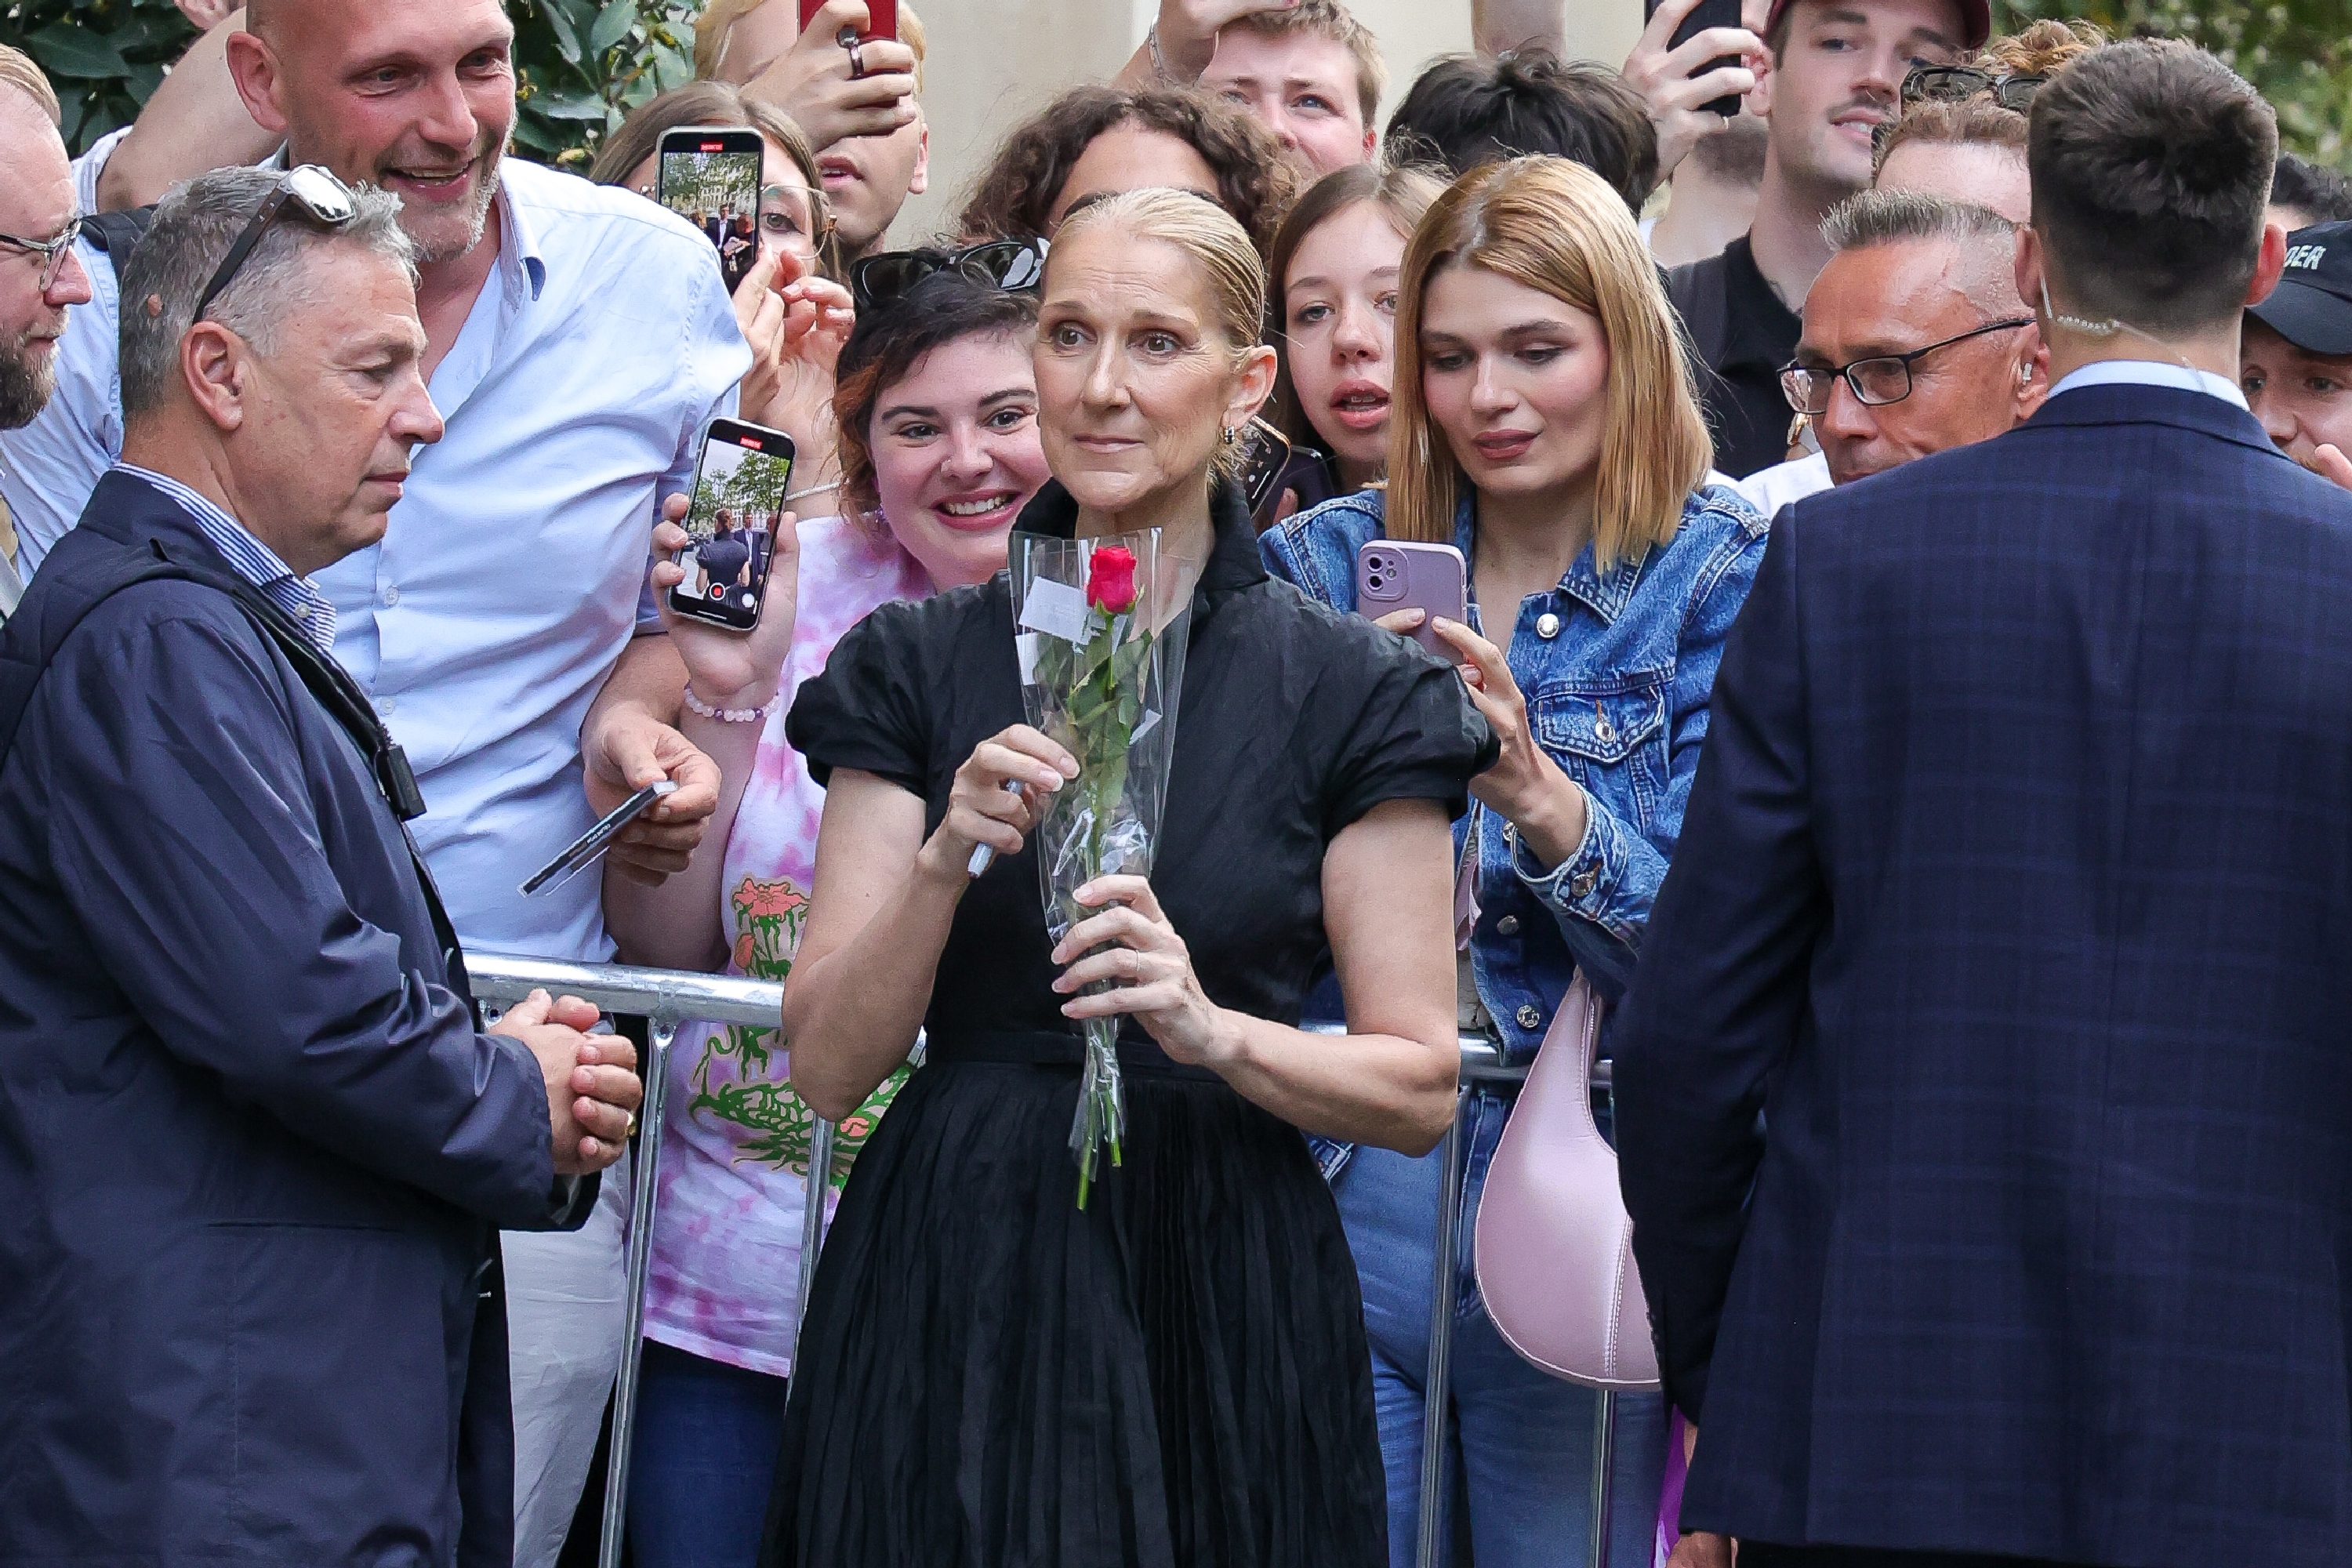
<point x="735" y="1138"/>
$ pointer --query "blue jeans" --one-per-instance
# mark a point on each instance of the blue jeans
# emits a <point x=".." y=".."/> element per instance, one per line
<point x="1521" y="1441"/>
<point x="705" y="1458"/>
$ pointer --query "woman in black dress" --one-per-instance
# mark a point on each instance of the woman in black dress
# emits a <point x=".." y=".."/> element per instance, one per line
<point x="1175" y="1377"/>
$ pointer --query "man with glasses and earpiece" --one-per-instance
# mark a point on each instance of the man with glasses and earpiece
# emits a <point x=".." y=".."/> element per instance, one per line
<point x="41" y="280"/>
<point x="1915" y="340"/>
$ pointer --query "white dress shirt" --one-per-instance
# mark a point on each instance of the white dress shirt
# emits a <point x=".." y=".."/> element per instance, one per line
<point x="2151" y="372"/>
<point x="510" y="578"/>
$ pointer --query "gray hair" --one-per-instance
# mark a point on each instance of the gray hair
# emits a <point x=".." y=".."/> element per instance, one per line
<point x="195" y="227"/>
<point x="1889" y="217"/>
<point x="1984" y="241"/>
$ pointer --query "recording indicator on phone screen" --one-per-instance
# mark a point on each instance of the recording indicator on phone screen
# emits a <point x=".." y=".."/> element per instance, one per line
<point x="711" y="179"/>
<point x="739" y="490"/>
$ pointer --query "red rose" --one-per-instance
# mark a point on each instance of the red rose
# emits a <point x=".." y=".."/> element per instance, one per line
<point x="1110" y="580"/>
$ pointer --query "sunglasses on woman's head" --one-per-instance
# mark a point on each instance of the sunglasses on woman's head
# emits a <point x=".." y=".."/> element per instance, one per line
<point x="1957" y="84"/>
<point x="1015" y="266"/>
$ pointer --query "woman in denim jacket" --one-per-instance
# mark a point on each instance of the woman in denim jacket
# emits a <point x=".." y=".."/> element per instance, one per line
<point x="1544" y="426"/>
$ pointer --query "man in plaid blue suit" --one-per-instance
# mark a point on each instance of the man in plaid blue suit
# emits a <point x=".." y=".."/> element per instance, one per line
<point x="1985" y="1091"/>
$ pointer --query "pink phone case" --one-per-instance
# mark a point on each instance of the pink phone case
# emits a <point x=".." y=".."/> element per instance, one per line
<point x="1394" y="575"/>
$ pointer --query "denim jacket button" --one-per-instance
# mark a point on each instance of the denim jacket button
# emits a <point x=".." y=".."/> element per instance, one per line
<point x="1582" y="883"/>
<point x="1529" y="1015"/>
<point x="1508" y="926"/>
<point x="1546" y="626"/>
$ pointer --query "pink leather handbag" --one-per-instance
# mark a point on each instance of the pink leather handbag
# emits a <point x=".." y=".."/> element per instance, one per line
<point x="1554" y="1248"/>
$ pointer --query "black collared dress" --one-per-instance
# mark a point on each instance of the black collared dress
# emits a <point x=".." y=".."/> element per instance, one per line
<point x="1175" y="1377"/>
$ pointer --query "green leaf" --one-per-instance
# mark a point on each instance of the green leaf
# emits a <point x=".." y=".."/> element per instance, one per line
<point x="64" y="49"/>
<point x="537" y="135"/>
<point x="612" y="25"/>
<point x="567" y="35"/>
<point x="569" y="105"/>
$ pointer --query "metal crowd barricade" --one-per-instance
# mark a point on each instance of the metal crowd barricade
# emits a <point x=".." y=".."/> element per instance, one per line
<point x="668" y="998"/>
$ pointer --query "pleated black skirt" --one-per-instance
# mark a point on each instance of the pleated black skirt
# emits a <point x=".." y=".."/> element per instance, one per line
<point x="1176" y="1377"/>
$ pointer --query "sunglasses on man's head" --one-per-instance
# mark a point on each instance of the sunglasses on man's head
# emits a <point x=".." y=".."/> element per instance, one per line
<point x="312" y="190"/>
<point x="1012" y="264"/>
<point x="1957" y="84"/>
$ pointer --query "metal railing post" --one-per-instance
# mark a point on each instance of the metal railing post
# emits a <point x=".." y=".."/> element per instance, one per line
<point x="1435" y="1382"/>
<point x="1604" y="1470"/>
<point x="820" y="1177"/>
<point x="644" y="1190"/>
<point x="666" y="999"/>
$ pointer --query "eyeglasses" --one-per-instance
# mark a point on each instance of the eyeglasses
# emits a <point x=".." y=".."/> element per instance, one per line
<point x="1012" y="264"/>
<point x="1957" y="84"/>
<point x="52" y="252"/>
<point x="317" y="194"/>
<point x="1875" y="382"/>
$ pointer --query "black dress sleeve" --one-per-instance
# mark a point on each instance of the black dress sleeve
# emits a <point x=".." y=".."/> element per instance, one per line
<point x="1415" y="736"/>
<point x="868" y="709"/>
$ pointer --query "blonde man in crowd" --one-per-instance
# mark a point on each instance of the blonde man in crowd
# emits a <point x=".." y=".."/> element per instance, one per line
<point x="1309" y="71"/>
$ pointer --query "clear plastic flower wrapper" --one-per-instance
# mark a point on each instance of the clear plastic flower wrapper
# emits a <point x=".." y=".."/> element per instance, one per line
<point x="1101" y="630"/>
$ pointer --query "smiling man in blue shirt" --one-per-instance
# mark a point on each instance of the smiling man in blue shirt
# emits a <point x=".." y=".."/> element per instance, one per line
<point x="578" y="338"/>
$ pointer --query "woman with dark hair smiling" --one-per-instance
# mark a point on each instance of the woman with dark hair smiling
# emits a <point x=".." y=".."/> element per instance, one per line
<point x="1174" y="1376"/>
<point x="939" y="454"/>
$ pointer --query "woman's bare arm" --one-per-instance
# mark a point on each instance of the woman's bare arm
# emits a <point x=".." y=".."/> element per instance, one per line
<point x="193" y="123"/>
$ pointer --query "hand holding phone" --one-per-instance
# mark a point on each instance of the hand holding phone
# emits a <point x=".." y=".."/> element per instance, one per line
<point x="1691" y="68"/>
<point x="588" y="848"/>
<point x="711" y="175"/>
<point x="1394" y="574"/>
<point x="742" y="486"/>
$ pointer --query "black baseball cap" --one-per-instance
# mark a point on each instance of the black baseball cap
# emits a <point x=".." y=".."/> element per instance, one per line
<point x="2312" y="306"/>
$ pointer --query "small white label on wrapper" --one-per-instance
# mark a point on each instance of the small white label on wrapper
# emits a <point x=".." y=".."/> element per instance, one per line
<point x="1057" y="610"/>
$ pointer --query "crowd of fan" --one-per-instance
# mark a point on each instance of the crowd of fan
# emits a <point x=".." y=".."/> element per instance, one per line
<point x="1842" y="256"/>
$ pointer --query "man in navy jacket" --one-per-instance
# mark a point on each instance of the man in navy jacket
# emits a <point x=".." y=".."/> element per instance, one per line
<point x="253" y="1145"/>
<point x="1985" y="1089"/>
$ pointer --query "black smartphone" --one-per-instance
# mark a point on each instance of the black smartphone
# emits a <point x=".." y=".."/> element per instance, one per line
<point x="740" y="483"/>
<point x="709" y="175"/>
<point x="1707" y="14"/>
<point x="1268" y="457"/>
<point x="583" y="851"/>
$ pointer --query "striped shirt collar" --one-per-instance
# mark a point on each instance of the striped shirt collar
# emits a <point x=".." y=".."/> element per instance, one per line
<point x="251" y="560"/>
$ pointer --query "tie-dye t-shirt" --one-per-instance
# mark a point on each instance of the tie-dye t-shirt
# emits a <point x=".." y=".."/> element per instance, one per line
<point x="735" y="1138"/>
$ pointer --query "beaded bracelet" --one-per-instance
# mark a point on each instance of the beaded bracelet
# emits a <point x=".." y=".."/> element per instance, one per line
<point x="733" y="715"/>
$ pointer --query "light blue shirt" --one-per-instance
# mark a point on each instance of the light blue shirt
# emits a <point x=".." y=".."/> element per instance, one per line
<point x="510" y="578"/>
<point x="250" y="559"/>
<point x="2151" y="372"/>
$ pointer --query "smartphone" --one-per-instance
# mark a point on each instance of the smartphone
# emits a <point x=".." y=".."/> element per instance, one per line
<point x="585" y="850"/>
<point x="741" y="482"/>
<point x="882" y="17"/>
<point x="1394" y="575"/>
<point x="1707" y="14"/>
<point x="709" y="175"/>
<point x="1268" y="454"/>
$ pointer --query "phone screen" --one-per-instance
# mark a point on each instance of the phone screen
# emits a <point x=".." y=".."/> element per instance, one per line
<point x="740" y="486"/>
<point x="711" y="179"/>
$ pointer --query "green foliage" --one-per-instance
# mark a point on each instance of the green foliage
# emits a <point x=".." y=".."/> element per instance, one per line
<point x="104" y="56"/>
<point x="2297" y="52"/>
<point x="582" y="64"/>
